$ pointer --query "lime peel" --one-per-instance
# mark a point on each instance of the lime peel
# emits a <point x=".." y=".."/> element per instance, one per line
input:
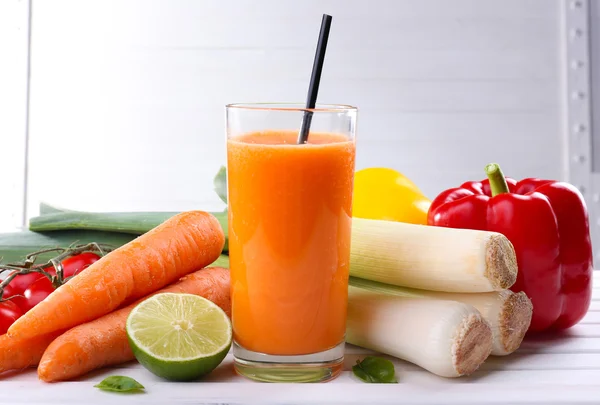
<point x="180" y="337"/>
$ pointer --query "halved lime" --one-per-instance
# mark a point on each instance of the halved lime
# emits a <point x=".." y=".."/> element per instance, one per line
<point x="180" y="337"/>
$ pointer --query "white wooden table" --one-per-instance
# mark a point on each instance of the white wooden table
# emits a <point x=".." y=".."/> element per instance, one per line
<point x="563" y="369"/>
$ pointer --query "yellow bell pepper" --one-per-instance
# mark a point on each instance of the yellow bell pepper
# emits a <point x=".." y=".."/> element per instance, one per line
<point x="386" y="194"/>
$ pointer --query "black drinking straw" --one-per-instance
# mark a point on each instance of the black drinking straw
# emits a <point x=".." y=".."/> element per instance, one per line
<point x="315" y="78"/>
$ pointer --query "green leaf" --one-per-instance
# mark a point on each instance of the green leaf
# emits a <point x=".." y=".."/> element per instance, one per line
<point x="46" y="208"/>
<point x="360" y="373"/>
<point x="220" y="183"/>
<point x="118" y="383"/>
<point x="375" y="370"/>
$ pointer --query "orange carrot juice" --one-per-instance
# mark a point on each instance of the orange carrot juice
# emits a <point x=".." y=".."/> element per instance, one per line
<point x="289" y="240"/>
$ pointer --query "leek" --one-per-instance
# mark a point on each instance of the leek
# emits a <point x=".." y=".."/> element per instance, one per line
<point x="135" y="223"/>
<point x="431" y="258"/>
<point x="15" y="246"/>
<point x="447" y="338"/>
<point x="508" y="313"/>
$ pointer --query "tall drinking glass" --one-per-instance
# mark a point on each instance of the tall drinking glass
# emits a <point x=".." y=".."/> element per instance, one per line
<point x="290" y="211"/>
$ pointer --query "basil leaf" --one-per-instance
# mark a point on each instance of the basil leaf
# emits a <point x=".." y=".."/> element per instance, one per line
<point x="220" y="183"/>
<point x="360" y="373"/>
<point x="375" y="370"/>
<point x="118" y="383"/>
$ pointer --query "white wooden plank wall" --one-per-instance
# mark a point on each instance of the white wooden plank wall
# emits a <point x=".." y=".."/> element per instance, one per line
<point x="594" y="24"/>
<point x="594" y="201"/>
<point x="14" y="37"/>
<point x="127" y="96"/>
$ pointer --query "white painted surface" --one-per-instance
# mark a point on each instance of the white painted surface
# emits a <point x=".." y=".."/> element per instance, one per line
<point x="14" y="36"/>
<point x="563" y="369"/>
<point x="129" y="94"/>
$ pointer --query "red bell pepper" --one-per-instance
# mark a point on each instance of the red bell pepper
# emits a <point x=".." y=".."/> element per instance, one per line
<point x="547" y="223"/>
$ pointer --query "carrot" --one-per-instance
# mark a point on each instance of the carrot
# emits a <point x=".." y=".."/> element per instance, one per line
<point x="103" y="342"/>
<point x="18" y="354"/>
<point x="180" y="245"/>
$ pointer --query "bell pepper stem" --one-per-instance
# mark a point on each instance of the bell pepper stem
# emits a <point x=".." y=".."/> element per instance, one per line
<point x="497" y="181"/>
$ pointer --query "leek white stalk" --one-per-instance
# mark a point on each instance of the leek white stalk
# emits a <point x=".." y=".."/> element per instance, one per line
<point x="448" y="338"/>
<point x="431" y="258"/>
<point x="508" y="313"/>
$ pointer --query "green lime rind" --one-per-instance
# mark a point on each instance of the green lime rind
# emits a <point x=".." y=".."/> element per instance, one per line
<point x="179" y="370"/>
<point x="179" y="337"/>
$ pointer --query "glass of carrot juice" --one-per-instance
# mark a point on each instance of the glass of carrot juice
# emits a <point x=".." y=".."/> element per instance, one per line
<point x="290" y="208"/>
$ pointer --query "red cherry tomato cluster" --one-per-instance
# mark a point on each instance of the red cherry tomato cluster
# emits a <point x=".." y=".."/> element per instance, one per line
<point x="28" y="290"/>
<point x="9" y="312"/>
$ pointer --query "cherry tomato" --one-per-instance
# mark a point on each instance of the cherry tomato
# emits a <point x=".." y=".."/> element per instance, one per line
<point x="20" y="301"/>
<point x="16" y="298"/>
<point x="17" y="287"/>
<point x="76" y="264"/>
<point x="9" y="313"/>
<point x="20" y="283"/>
<point x="35" y="287"/>
<point x="36" y="293"/>
<point x="9" y="291"/>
